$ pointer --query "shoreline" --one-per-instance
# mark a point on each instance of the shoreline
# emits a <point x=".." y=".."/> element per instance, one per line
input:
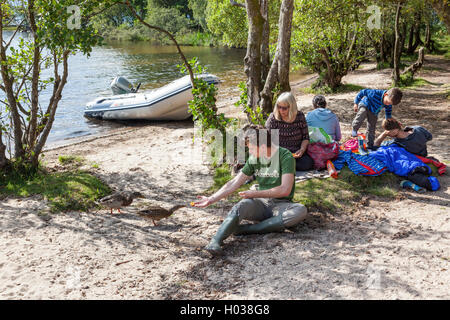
<point x="221" y="102"/>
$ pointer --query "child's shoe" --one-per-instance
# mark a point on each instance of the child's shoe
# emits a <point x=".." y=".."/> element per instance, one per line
<point x="409" y="184"/>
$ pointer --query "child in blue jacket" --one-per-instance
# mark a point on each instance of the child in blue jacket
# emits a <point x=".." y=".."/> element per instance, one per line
<point x="368" y="104"/>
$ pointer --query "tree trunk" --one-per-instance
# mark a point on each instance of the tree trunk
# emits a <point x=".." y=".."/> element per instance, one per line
<point x="416" y="35"/>
<point x="252" y="60"/>
<point x="396" y="71"/>
<point x="284" y="43"/>
<point x="390" y="51"/>
<point x="384" y="49"/>
<point x="332" y="79"/>
<point x="35" y="80"/>
<point x="265" y="51"/>
<point x="3" y="159"/>
<point x="403" y="38"/>
<point x="60" y="83"/>
<point x="428" y="37"/>
<point x="19" y="152"/>
<point x="279" y="71"/>
<point x="411" y="39"/>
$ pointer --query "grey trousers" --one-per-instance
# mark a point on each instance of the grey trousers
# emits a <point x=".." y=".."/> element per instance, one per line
<point x="372" y="119"/>
<point x="259" y="209"/>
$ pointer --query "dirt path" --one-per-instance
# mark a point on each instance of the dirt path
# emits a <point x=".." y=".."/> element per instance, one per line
<point x="380" y="250"/>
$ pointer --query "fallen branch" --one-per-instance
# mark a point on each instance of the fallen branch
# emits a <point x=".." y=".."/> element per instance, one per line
<point x="416" y="65"/>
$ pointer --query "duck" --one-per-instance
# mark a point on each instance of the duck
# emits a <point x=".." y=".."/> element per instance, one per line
<point x="119" y="199"/>
<point x="156" y="213"/>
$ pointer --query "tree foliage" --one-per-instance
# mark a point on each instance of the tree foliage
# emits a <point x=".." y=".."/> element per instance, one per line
<point x="228" y="23"/>
<point x="328" y="36"/>
<point x="25" y="121"/>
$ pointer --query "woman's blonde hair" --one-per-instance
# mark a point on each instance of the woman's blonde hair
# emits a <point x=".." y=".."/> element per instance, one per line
<point x="288" y="98"/>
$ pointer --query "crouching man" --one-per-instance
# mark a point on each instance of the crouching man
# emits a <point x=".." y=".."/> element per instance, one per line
<point x="270" y="205"/>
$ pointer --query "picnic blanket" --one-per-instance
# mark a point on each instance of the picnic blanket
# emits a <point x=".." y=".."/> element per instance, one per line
<point x="359" y="164"/>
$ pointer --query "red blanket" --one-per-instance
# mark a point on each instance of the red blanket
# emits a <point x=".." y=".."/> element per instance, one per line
<point x="442" y="168"/>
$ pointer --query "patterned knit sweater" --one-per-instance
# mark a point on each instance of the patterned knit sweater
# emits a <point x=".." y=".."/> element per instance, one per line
<point x="291" y="134"/>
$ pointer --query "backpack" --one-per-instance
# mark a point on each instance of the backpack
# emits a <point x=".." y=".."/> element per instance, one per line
<point x="321" y="152"/>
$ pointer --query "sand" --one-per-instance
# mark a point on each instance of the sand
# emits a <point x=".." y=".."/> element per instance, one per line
<point x="378" y="250"/>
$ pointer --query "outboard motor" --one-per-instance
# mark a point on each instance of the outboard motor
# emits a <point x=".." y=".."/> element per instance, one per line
<point x="120" y="85"/>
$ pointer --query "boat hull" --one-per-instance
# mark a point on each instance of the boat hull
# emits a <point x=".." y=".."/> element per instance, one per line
<point x="166" y="103"/>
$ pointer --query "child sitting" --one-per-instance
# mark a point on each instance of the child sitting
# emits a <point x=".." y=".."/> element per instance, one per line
<point x="413" y="139"/>
<point x="368" y="104"/>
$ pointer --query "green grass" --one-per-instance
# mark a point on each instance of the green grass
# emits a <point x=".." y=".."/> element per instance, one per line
<point x="327" y="90"/>
<point x="331" y="195"/>
<point x="406" y="82"/>
<point x="95" y="165"/>
<point x="65" y="191"/>
<point x="71" y="160"/>
<point x="443" y="46"/>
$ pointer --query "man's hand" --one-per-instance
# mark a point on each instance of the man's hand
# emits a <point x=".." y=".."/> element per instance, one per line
<point x="248" y="194"/>
<point x="203" y="202"/>
<point x="355" y="107"/>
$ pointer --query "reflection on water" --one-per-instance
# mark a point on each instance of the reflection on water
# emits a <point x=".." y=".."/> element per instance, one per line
<point x="139" y="62"/>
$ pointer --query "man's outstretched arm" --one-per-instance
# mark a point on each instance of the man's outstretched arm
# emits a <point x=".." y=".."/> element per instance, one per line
<point x="227" y="189"/>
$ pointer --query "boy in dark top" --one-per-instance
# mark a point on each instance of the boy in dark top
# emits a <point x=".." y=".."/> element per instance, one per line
<point x="368" y="104"/>
<point x="414" y="139"/>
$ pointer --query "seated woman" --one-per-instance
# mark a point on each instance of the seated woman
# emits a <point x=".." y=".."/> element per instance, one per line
<point x="293" y="130"/>
<point x="324" y="118"/>
<point x="413" y="139"/>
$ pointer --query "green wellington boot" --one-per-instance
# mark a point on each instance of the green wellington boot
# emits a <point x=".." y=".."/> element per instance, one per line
<point x="274" y="224"/>
<point x="228" y="226"/>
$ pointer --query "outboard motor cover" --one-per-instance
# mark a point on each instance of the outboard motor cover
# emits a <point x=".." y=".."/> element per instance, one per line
<point x="120" y="85"/>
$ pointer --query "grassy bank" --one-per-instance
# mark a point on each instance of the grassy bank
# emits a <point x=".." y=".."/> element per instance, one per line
<point x="142" y="33"/>
<point x="69" y="189"/>
<point x="326" y="195"/>
<point x="329" y="195"/>
<point x="327" y="90"/>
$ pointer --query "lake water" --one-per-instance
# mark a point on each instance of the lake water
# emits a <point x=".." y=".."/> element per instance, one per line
<point x="139" y="62"/>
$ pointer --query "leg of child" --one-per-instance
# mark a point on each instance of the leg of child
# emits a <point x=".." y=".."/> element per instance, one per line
<point x="371" y="127"/>
<point x="359" y="119"/>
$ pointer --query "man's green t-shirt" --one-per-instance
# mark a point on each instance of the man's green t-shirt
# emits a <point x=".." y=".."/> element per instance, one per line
<point x="268" y="174"/>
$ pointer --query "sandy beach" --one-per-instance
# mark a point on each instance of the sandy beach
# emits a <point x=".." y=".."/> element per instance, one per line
<point x="382" y="249"/>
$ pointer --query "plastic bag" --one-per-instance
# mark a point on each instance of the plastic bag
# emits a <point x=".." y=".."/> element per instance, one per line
<point x="318" y="135"/>
<point x="321" y="152"/>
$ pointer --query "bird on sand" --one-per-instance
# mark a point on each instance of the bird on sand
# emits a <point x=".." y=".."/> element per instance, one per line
<point x="156" y="213"/>
<point x="119" y="199"/>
